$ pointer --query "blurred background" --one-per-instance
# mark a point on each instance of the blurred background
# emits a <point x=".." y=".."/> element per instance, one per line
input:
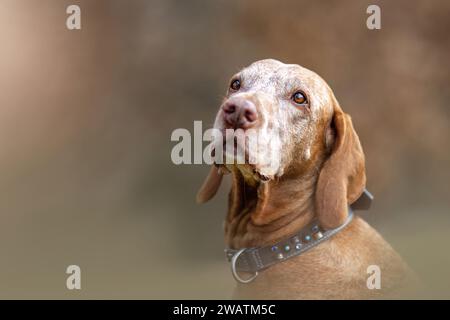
<point x="86" y="117"/>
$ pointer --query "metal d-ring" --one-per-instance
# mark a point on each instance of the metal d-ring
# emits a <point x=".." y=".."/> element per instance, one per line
<point x="234" y="272"/>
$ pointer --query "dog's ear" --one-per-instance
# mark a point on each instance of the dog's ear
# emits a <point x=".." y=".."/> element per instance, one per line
<point x="210" y="185"/>
<point x="342" y="178"/>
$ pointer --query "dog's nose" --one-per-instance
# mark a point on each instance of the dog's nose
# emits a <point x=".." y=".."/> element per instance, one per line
<point x="240" y="113"/>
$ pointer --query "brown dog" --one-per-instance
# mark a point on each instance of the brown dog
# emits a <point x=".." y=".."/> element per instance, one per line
<point x="317" y="171"/>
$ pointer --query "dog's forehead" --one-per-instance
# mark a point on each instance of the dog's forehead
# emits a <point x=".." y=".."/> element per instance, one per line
<point x="274" y="74"/>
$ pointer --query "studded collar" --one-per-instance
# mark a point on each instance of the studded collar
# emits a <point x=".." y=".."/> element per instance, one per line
<point x="253" y="260"/>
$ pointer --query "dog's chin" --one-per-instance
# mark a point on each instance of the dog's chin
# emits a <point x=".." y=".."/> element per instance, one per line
<point x="250" y="173"/>
<point x="253" y="173"/>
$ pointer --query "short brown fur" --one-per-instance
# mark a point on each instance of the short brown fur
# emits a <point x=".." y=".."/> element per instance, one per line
<point x="320" y="186"/>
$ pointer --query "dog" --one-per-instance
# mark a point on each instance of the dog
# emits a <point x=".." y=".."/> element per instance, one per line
<point x="319" y="171"/>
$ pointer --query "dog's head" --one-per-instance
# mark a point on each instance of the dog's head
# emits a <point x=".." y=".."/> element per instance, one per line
<point x="292" y="125"/>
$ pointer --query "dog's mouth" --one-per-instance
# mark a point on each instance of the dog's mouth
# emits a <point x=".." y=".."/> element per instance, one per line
<point x="236" y="155"/>
<point x="249" y="172"/>
<point x="247" y="177"/>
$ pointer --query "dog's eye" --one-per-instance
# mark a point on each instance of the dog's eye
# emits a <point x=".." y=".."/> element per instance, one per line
<point x="299" y="98"/>
<point x="235" y="85"/>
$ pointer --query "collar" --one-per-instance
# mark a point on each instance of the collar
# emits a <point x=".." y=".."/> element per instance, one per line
<point x="253" y="260"/>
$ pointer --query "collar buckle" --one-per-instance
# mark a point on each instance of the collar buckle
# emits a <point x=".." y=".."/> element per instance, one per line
<point x="236" y="276"/>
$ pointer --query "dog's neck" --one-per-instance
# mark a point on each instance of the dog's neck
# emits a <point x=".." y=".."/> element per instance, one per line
<point x="261" y="213"/>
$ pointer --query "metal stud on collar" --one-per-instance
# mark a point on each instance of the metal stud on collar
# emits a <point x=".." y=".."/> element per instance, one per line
<point x="260" y="258"/>
<point x="233" y="268"/>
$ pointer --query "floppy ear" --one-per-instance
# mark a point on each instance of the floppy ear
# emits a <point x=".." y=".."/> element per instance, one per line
<point x="342" y="178"/>
<point x="210" y="185"/>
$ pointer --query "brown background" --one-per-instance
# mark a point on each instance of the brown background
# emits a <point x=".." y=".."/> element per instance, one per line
<point x="86" y="117"/>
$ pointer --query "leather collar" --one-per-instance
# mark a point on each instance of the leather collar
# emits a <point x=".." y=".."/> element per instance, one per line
<point x="253" y="260"/>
